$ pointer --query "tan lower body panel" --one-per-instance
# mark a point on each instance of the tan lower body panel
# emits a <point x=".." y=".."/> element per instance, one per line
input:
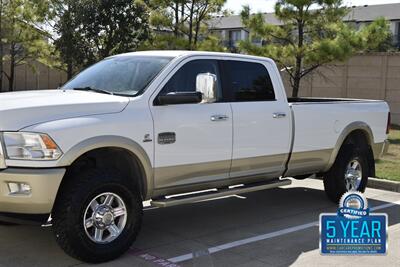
<point x="44" y="184"/>
<point x="271" y="166"/>
<point x="191" y="173"/>
<point x="193" y="177"/>
<point x="308" y="162"/>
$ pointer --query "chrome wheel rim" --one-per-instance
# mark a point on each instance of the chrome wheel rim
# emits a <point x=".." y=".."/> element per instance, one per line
<point x="353" y="175"/>
<point x="105" y="218"/>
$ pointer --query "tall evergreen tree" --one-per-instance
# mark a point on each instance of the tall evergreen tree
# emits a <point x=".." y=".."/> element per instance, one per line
<point x="312" y="34"/>
<point x="185" y="18"/>
<point x="90" y="30"/>
<point x="21" y="41"/>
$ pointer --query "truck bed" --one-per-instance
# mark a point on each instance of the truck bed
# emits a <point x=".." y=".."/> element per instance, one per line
<point x="319" y="123"/>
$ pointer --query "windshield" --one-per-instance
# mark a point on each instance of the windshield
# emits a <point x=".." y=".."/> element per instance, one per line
<point x="124" y="75"/>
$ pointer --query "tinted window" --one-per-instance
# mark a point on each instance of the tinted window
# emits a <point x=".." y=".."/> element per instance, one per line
<point x="184" y="80"/>
<point x="246" y="81"/>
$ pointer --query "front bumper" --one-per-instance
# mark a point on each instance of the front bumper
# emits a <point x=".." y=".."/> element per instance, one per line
<point x="44" y="186"/>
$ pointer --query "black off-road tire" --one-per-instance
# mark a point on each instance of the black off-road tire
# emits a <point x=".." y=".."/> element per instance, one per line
<point x="75" y="195"/>
<point x="334" y="180"/>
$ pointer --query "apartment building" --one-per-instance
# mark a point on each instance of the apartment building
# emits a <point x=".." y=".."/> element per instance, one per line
<point x="231" y="30"/>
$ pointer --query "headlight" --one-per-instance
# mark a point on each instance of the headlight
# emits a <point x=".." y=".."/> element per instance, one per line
<point x="30" y="146"/>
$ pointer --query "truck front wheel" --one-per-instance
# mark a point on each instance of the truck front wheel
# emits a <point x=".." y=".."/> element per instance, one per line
<point x="348" y="173"/>
<point x="97" y="215"/>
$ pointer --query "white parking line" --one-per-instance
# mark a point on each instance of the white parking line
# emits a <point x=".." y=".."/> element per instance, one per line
<point x="253" y="239"/>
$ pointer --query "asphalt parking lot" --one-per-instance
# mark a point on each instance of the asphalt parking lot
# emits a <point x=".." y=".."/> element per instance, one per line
<point x="277" y="227"/>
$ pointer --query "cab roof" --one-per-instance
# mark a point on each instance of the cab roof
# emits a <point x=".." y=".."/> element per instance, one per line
<point x="183" y="53"/>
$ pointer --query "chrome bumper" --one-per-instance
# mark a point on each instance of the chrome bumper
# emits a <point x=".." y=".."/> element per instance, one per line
<point x="44" y="185"/>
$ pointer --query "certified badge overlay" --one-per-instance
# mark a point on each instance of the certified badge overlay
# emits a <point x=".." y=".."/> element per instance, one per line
<point x="353" y="230"/>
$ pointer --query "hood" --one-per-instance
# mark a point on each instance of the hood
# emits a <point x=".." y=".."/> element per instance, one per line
<point x="21" y="109"/>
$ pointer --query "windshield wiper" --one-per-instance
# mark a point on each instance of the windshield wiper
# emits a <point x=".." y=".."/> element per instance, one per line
<point x="88" y="88"/>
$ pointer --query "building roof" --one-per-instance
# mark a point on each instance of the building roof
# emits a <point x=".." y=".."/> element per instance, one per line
<point x="372" y="12"/>
<point x="357" y="14"/>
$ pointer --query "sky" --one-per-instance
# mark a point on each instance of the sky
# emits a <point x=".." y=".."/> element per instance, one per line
<point x="268" y="5"/>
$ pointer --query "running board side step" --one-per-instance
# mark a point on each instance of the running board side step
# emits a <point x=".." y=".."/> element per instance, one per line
<point x="196" y="197"/>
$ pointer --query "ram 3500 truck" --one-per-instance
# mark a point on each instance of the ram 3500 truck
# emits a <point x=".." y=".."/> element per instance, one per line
<point x="154" y="125"/>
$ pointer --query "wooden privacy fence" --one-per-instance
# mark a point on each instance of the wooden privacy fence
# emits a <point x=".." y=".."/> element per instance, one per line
<point x="366" y="76"/>
<point x="39" y="77"/>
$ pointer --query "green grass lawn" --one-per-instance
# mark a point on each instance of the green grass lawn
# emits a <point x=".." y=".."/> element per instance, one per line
<point x="388" y="167"/>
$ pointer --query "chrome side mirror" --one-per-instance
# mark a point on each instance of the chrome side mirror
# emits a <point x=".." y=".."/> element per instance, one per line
<point x="206" y="83"/>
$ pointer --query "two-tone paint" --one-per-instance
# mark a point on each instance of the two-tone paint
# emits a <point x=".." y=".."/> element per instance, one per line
<point x="255" y="140"/>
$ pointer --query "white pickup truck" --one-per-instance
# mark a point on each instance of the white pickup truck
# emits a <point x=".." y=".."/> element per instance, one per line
<point x="154" y="125"/>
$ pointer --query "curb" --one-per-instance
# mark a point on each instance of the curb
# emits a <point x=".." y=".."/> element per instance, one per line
<point x="384" y="184"/>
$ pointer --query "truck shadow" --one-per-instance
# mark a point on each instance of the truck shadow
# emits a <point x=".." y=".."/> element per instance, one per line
<point x="193" y="229"/>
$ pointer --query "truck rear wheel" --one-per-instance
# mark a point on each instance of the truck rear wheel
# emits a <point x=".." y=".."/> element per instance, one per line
<point x="348" y="173"/>
<point x="97" y="215"/>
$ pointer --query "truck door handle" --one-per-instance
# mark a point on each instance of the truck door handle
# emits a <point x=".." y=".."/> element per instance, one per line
<point x="278" y="115"/>
<point x="219" y="118"/>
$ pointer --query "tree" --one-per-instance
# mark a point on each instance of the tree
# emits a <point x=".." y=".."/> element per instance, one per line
<point x="185" y="18"/>
<point x="312" y="34"/>
<point x="68" y="40"/>
<point x="21" y="42"/>
<point x="377" y="36"/>
<point x="91" y="30"/>
<point x="211" y="43"/>
<point x="168" y="15"/>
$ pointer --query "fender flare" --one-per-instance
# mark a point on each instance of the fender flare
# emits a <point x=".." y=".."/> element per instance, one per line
<point x="357" y="125"/>
<point x="116" y="142"/>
